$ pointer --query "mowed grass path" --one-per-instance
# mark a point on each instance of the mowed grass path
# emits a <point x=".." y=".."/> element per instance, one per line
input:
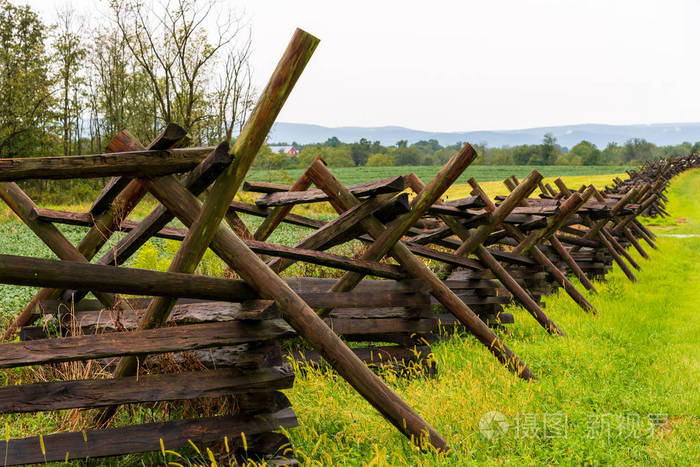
<point x="637" y="362"/>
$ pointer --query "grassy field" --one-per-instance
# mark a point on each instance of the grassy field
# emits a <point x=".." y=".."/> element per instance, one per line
<point x="600" y="389"/>
<point x="490" y="177"/>
<point x="620" y="389"/>
<point x="483" y="173"/>
<point x="16" y="238"/>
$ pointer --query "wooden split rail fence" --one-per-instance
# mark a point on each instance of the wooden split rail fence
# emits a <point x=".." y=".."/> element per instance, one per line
<point x="167" y="337"/>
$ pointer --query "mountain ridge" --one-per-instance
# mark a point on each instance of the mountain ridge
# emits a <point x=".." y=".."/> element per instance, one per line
<point x="567" y="135"/>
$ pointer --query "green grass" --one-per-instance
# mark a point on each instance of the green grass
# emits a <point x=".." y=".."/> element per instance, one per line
<point x="640" y="357"/>
<point x="483" y="173"/>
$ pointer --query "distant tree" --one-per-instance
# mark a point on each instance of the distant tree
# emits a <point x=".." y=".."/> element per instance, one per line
<point x="525" y="154"/>
<point x="638" y="150"/>
<point x="429" y="160"/>
<point x="360" y="151"/>
<point x="443" y="155"/>
<point x="402" y="143"/>
<point x="593" y="158"/>
<point x="338" y="157"/>
<point x="561" y="160"/>
<point x="308" y="154"/>
<point x="267" y="159"/>
<point x="696" y="148"/>
<point x="174" y="48"/>
<point x="613" y="154"/>
<point x="407" y="156"/>
<point x="234" y="96"/>
<point x="674" y="151"/>
<point x="428" y="147"/>
<point x="291" y="162"/>
<point x="379" y="160"/>
<point x="587" y="151"/>
<point x="377" y="147"/>
<point x="500" y="156"/>
<point x="119" y="94"/>
<point x="482" y="150"/>
<point x="549" y="149"/>
<point x="333" y="142"/>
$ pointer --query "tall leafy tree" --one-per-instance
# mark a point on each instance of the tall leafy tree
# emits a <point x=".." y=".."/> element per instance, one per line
<point x="69" y="56"/>
<point x="234" y="95"/>
<point x="25" y="94"/>
<point x="173" y="47"/>
<point x="120" y="94"/>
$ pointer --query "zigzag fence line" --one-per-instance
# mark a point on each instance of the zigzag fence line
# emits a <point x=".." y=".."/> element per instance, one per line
<point x="177" y="336"/>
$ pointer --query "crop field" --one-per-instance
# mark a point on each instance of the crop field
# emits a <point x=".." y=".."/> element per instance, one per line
<point x="17" y="239"/>
<point x="482" y="173"/>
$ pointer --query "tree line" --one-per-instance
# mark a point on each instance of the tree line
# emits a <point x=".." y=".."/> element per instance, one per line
<point x="68" y="87"/>
<point x="549" y="152"/>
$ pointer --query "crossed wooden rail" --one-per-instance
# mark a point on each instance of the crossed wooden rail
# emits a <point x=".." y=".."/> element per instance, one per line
<point x="487" y="252"/>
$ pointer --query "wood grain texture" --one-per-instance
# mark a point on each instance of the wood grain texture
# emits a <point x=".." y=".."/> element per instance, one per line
<point x="322" y="177"/>
<point x="19" y="270"/>
<point x="141" y="438"/>
<point x="93" y="393"/>
<point x="132" y="163"/>
<point x="287" y="198"/>
<point x="170" y="339"/>
<point x="106" y="214"/>
<point x="303" y="319"/>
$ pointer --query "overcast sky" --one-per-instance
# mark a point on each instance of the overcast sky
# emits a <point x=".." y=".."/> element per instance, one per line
<point x="481" y="65"/>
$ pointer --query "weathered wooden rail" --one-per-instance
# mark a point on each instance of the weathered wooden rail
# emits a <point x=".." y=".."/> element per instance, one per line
<point x="521" y="248"/>
<point x="223" y="344"/>
<point x="235" y="345"/>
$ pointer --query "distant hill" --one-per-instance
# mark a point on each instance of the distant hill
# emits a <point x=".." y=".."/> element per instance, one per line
<point x="567" y="135"/>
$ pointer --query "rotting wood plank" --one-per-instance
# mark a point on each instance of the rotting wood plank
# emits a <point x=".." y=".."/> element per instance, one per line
<point x="106" y="213"/>
<point x="133" y="164"/>
<point x="150" y="341"/>
<point x="294" y="219"/>
<point x="307" y="324"/>
<point x="330" y="233"/>
<point x="204" y="232"/>
<point x="386" y="238"/>
<point x="470" y="244"/>
<point x="322" y="177"/>
<point x="387" y="185"/>
<point x="277" y="214"/>
<point x="529" y="243"/>
<point x="171" y="137"/>
<point x="90" y="444"/>
<point x="20" y="270"/>
<point x="91" y="393"/>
